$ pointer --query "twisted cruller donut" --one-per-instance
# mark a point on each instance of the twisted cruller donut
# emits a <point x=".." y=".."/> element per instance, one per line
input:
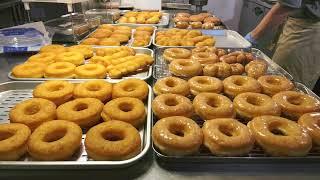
<point x="249" y="105"/>
<point x="91" y="71"/>
<point x="185" y="68"/>
<point x="45" y="57"/>
<point x="98" y="89"/>
<point x="272" y="84"/>
<point x="56" y="91"/>
<point x="171" y="54"/>
<point x="294" y="104"/>
<point x="227" y="137"/>
<point x="13" y="143"/>
<point x="60" y="70"/>
<point x="33" y="112"/>
<point x="29" y="70"/>
<point x="166" y="105"/>
<point x="311" y="123"/>
<point x="55" y="48"/>
<point x="177" y="135"/>
<point x="131" y="88"/>
<point x="55" y="140"/>
<point x="171" y="85"/>
<point x="199" y="84"/>
<point x="127" y="109"/>
<point x="73" y="57"/>
<point x="83" y="111"/>
<point x="279" y="136"/>
<point x="113" y="140"/>
<point x="211" y="105"/>
<point x="237" y="84"/>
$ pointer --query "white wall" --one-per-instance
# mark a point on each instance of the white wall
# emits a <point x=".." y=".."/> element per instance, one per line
<point x="228" y="10"/>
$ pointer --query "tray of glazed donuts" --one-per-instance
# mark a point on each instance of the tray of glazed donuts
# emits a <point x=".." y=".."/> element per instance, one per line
<point x="142" y="18"/>
<point x="73" y="124"/>
<point x="215" y="62"/>
<point x="116" y="35"/>
<point x="174" y="37"/>
<point x="81" y="62"/>
<point x="203" y="20"/>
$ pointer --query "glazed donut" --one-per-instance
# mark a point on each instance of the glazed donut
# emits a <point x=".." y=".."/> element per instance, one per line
<point x="311" y="123"/>
<point x="199" y="84"/>
<point x="60" y="70"/>
<point x="101" y="33"/>
<point x="90" y="41"/>
<point x="109" y="42"/>
<point x="249" y="57"/>
<point x="237" y="69"/>
<point x="256" y="68"/>
<point x="196" y="25"/>
<point x="207" y="25"/>
<point x="219" y="70"/>
<point x="214" y="20"/>
<point x="227" y="137"/>
<point x="127" y="109"/>
<point x="45" y="57"/>
<point x="183" y="15"/>
<point x="221" y="52"/>
<point x="75" y="58"/>
<point x="33" y="112"/>
<point x="130" y="88"/>
<point x="171" y="85"/>
<point x="29" y="70"/>
<point x="181" y="19"/>
<point x="237" y="84"/>
<point x="113" y="140"/>
<point x="279" y="136"/>
<point x="13" y="142"/>
<point x="185" y="68"/>
<point x="196" y="18"/>
<point x="107" y="26"/>
<point x="182" y="25"/>
<point x="56" y="91"/>
<point x="211" y="105"/>
<point x="83" y="111"/>
<point x="177" y="136"/>
<point x="91" y="71"/>
<point x="206" y="49"/>
<point x="145" y="28"/>
<point x="205" y="58"/>
<point x="171" y="54"/>
<point x="166" y="105"/>
<point x="121" y="37"/>
<point x="272" y="84"/>
<point x="294" y="104"/>
<point x="98" y="89"/>
<point x="234" y="57"/>
<point x="55" y="48"/>
<point x="55" y="140"/>
<point x="249" y="105"/>
<point x="86" y="50"/>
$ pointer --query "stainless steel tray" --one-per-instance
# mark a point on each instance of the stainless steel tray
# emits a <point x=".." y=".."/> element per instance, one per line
<point x="141" y="75"/>
<point x="224" y="39"/>
<point x="14" y="92"/>
<point x="256" y="155"/>
<point x="161" y="66"/>
<point x="150" y="42"/>
<point x="164" y="22"/>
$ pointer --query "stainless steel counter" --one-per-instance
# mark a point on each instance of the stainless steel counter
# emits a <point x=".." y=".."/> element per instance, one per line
<point x="150" y="169"/>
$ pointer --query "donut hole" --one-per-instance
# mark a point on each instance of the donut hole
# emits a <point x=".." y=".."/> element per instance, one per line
<point x="113" y="136"/>
<point x="125" y="107"/>
<point x="171" y="102"/>
<point x="254" y="100"/>
<point x="239" y="82"/>
<point x="5" y="135"/>
<point x="295" y="100"/>
<point x="213" y="102"/>
<point x="80" y="107"/>
<point x="273" y="81"/>
<point x="55" y="88"/>
<point x="55" y="135"/>
<point x="93" y="87"/>
<point x="170" y="83"/>
<point x="202" y="81"/>
<point x="32" y="109"/>
<point x="177" y="130"/>
<point x="226" y="130"/>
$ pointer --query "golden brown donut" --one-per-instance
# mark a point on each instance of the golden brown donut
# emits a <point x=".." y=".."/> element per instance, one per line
<point x="177" y="135"/>
<point x="109" y="42"/>
<point x="56" y="91"/>
<point x="207" y="25"/>
<point x="199" y="84"/>
<point x="171" y="85"/>
<point x="55" y="140"/>
<point x="219" y="70"/>
<point x="83" y="111"/>
<point x="237" y="69"/>
<point x="98" y="89"/>
<point x="237" y="84"/>
<point x="205" y="58"/>
<point x="130" y="88"/>
<point x="196" y="18"/>
<point x="272" y="84"/>
<point x="55" y="48"/>
<point x="166" y="105"/>
<point x="171" y="54"/>
<point x="208" y="49"/>
<point x="73" y="57"/>
<point x="182" y="25"/>
<point x="29" y="70"/>
<point x="45" y="57"/>
<point x="127" y="109"/>
<point x="90" y="71"/>
<point x="183" y="15"/>
<point x="294" y="104"/>
<point x="256" y="68"/>
<point x="249" y="105"/>
<point x="211" y="105"/>
<point x="13" y="143"/>
<point x="112" y="140"/>
<point x="181" y="19"/>
<point x="279" y="136"/>
<point x="86" y="50"/>
<point x="90" y="41"/>
<point x="196" y="25"/>
<point x="185" y="68"/>
<point x="227" y="137"/>
<point x="214" y="20"/>
<point x="311" y="123"/>
<point x="234" y="57"/>
<point x="60" y="70"/>
<point x="33" y="112"/>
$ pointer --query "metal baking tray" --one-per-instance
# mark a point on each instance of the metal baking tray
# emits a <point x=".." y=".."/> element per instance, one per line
<point x="161" y="68"/>
<point x="164" y="22"/>
<point x="256" y="155"/>
<point x="14" y="92"/>
<point x="224" y="39"/>
<point x="132" y="38"/>
<point x="144" y="75"/>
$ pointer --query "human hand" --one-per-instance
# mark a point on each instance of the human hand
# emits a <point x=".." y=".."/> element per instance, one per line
<point x="249" y="38"/>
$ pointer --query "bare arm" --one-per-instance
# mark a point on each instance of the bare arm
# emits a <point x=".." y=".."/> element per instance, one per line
<point x="274" y="17"/>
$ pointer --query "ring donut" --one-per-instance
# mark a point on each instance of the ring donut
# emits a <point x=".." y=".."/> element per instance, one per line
<point x="90" y="71"/>
<point x="311" y="123"/>
<point x="171" y="85"/>
<point x="130" y="88"/>
<point x="98" y="89"/>
<point x="29" y="70"/>
<point x="199" y="84"/>
<point x="171" y="54"/>
<point x="272" y="84"/>
<point x="60" y="70"/>
<point x="185" y="68"/>
<point x="238" y="84"/>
